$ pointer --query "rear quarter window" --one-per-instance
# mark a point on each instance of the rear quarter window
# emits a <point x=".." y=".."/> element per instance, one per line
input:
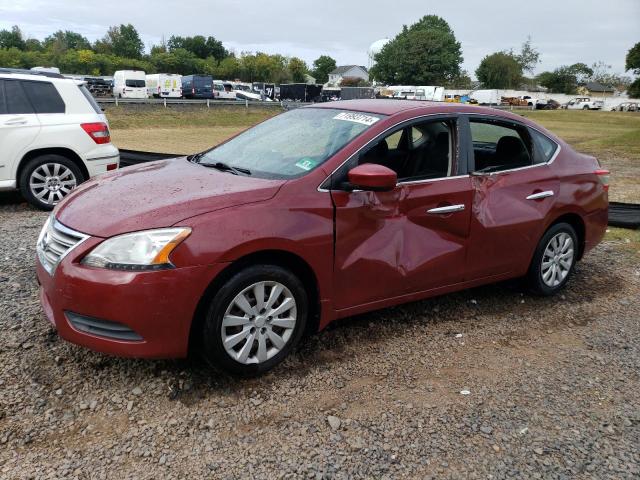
<point x="544" y="147"/>
<point x="44" y="97"/>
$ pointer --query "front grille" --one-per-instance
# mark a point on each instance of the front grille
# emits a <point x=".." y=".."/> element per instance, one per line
<point x="55" y="242"/>
<point x="102" y="328"/>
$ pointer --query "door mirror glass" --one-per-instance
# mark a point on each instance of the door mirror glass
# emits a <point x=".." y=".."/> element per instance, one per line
<point x="370" y="176"/>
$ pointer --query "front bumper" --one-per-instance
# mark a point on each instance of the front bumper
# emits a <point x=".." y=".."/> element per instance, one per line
<point x="159" y="306"/>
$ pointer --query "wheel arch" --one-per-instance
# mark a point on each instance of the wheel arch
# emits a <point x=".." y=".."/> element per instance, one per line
<point x="62" y="151"/>
<point x="578" y="224"/>
<point x="281" y="258"/>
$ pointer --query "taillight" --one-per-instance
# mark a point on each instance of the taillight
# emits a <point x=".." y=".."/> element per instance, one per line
<point x="98" y="131"/>
<point x="112" y="166"/>
<point x="603" y="175"/>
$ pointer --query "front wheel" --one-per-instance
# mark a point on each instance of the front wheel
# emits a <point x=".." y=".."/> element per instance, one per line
<point x="554" y="260"/>
<point x="47" y="179"/>
<point x="255" y="320"/>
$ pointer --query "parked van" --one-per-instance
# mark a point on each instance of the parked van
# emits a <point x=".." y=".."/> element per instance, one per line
<point x="129" y="84"/>
<point x="164" y="85"/>
<point x="197" y="86"/>
<point x="223" y="91"/>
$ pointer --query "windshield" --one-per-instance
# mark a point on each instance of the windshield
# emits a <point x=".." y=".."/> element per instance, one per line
<point x="134" y="83"/>
<point x="292" y="143"/>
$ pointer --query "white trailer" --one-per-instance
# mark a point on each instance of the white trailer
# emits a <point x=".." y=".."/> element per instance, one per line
<point x="164" y="85"/>
<point x="129" y="84"/>
<point x="486" y="97"/>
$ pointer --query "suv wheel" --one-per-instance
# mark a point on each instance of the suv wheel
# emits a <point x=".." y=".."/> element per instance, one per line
<point x="47" y="179"/>
<point x="554" y="260"/>
<point x="255" y="320"/>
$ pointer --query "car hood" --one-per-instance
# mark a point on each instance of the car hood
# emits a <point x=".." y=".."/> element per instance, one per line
<point x="157" y="194"/>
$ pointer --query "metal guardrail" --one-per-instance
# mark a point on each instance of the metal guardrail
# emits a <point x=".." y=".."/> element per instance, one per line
<point x="197" y="101"/>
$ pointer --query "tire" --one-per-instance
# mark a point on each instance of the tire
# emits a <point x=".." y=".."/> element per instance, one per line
<point x="548" y="274"/>
<point x="255" y="352"/>
<point x="47" y="179"/>
<point x="586" y="107"/>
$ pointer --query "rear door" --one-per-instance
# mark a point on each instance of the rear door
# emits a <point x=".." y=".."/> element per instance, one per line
<point x="413" y="238"/>
<point x="19" y="126"/>
<point x="514" y="191"/>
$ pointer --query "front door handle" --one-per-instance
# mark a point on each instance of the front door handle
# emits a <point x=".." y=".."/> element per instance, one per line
<point x="447" y="209"/>
<point x="16" y="121"/>
<point x="539" y="195"/>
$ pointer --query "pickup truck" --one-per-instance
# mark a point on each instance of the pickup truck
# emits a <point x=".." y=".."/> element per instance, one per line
<point x="584" y="103"/>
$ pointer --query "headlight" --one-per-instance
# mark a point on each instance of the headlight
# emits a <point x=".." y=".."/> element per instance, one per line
<point x="148" y="250"/>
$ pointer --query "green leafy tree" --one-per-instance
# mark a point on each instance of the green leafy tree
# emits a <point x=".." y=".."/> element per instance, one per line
<point x="12" y="38"/>
<point x="500" y="70"/>
<point x="322" y="66"/>
<point x="298" y="69"/>
<point x="528" y="57"/>
<point x="200" y="46"/>
<point x="426" y="53"/>
<point x="122" y="41"/>
<point x="633" y="59"/>
<point x="61" y="41"/>
<point x="634" y="89"/>
<point x="565" y="79"/>
<point x="33" y="45"/>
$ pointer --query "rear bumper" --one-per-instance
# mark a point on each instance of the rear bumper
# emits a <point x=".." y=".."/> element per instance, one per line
<point x="98" y="159"/>
<point x="158" y="306"/>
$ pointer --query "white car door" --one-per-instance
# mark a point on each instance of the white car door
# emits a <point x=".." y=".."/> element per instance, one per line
<point x="19" y="127"/>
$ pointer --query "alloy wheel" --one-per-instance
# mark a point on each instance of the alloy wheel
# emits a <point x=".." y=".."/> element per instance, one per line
<point x="557" y="259"/>
<point x="259" y="322"/>
<point x="51" y="182"/>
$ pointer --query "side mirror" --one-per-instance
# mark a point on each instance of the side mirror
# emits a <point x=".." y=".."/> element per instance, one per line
<point x="370" y="176"/>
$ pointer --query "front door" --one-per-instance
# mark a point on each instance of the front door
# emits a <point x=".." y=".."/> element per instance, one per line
<point x="410" y="239"/>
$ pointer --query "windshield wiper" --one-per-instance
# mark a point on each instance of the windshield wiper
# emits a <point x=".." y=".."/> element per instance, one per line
<point x="227" y="168"/>
<point x="195" y="157"/>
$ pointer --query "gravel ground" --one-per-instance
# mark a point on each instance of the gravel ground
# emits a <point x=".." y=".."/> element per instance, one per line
<point x="487" y="383"/>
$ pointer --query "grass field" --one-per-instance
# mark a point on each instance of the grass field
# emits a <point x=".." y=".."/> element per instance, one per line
<point x="613" y="137"/>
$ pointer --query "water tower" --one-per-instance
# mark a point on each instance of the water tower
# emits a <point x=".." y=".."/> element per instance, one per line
<point x="374" y="49"/>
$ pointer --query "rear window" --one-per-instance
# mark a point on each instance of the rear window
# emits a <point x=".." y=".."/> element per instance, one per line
<point x="135" y="83"/>
<point x="90" y="99"/>
<point x="17" y="101"/>
<point x="44" y="97"/>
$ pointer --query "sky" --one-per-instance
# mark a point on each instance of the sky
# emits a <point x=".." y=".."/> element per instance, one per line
<point x="564" y="31"/>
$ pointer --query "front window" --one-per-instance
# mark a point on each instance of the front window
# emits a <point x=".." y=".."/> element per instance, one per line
<point x="135" y="83"/>
<point x="291" y="144"/>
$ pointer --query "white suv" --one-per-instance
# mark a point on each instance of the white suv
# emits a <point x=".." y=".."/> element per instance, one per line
<point x="53" y="136"/>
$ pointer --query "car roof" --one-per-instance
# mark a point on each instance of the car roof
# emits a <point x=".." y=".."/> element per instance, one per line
<point x="392" y="107"/>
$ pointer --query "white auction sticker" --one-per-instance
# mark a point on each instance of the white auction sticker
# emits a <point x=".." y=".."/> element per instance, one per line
<point x="357" y="117"/>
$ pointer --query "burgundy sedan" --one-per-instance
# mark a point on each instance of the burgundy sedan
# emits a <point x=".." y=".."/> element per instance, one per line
<point x="316" y="214"/>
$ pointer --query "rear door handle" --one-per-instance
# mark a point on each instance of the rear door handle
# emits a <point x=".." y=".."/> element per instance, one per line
<point x="539" y="195"/>
<point x="447" y="209"/>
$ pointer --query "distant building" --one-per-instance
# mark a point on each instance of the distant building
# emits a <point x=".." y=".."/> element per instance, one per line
<point x="351" y="71"/>
<point x="596" y="89"/>
<point x="309" y="80"/>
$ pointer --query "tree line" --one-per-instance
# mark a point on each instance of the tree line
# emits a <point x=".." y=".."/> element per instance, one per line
<point x="425" y="53"/>
<point x="428" y="53"/>
<point x="121" y="48"/>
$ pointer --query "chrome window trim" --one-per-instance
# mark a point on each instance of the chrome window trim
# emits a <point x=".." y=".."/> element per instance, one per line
<point x="551" y="160"/>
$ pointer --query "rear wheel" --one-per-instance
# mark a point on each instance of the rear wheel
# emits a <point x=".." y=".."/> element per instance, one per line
<point x="255" y="320"/>
<point x="586" y="107"/>
<point x="554" y="260"/>
<point x="47" y="179"/>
